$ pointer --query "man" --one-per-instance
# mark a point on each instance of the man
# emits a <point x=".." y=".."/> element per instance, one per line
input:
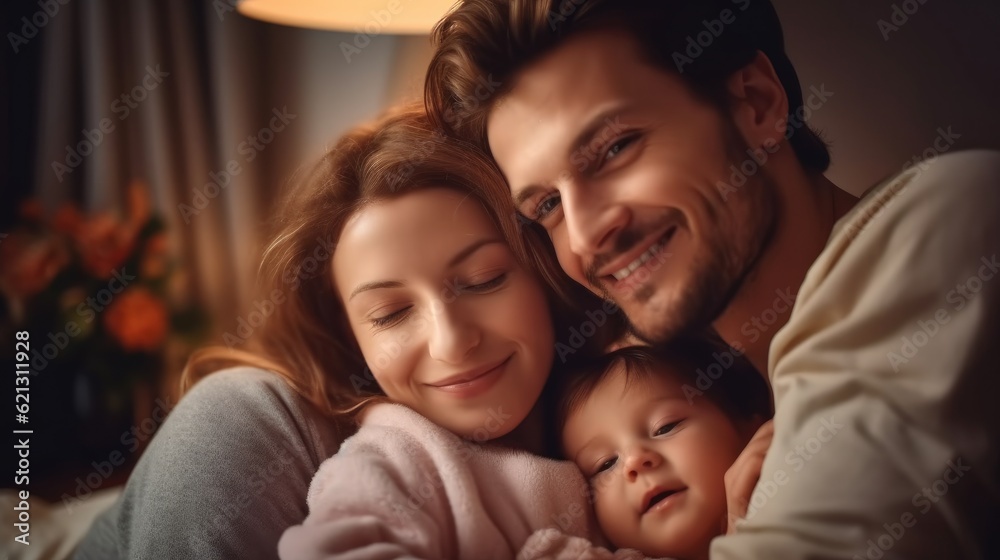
<point x="662" y="147"/>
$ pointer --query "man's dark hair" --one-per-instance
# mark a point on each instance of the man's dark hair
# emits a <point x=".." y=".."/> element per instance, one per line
<point x="482" y="43"/>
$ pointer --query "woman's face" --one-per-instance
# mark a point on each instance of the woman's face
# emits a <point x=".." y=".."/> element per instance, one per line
<point x="446" y="318"/>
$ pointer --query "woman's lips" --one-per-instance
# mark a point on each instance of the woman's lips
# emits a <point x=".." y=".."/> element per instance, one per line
<point x="472" y="383"/>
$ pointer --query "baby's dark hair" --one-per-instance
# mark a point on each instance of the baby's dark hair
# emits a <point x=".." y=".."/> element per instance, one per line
<point x="706" y="366"/>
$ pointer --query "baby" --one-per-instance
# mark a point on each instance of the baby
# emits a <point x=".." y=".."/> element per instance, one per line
<point x="654" y="432"/>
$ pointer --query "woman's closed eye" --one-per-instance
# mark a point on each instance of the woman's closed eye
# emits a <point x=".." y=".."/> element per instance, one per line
<point x="486" y="286"/>
<point x="389" y="319"/>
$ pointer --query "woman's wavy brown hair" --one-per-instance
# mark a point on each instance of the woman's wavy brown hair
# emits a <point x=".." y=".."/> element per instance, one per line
<point x="307" y="339"/>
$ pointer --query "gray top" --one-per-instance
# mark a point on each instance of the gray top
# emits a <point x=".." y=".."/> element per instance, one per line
<point x="225" y="475"/>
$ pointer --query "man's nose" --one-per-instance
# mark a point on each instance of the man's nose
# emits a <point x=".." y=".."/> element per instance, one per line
<point x="593" y="221"/>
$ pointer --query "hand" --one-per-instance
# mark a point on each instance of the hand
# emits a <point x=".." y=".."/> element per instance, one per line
<point x="742" y="476"/>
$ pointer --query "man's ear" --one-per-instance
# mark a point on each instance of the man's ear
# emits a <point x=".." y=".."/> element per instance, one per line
<point x="749" y="426"/>
<point x="758" y="103"/>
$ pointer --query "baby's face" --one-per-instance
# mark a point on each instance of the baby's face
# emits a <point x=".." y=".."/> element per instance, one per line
<point x="656" y="462"/>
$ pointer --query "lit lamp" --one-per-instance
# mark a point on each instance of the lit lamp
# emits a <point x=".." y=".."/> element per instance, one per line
<point x="397" y="17"/>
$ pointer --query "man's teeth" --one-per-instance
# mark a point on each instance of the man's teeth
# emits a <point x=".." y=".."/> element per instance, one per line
<point x="643" y="258"/>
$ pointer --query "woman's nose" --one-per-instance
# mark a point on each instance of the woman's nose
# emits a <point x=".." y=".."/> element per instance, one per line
<point x="454" y="336"/>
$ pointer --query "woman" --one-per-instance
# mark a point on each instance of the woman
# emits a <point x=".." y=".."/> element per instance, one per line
<point x="229" y="469"/>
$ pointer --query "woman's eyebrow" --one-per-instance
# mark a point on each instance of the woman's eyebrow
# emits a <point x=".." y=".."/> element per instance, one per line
<point x="374" y="286"/>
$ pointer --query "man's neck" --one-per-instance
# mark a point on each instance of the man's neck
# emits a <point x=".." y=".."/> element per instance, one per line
<point x="809" y="206"/>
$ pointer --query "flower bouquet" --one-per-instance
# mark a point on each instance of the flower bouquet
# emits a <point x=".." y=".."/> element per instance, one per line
<point x="93" y="293"/>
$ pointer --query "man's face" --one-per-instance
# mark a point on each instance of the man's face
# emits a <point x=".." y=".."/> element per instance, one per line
<point x="630" y="173"/>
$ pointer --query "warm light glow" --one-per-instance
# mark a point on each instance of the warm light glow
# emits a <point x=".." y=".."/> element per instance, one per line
<point x="400" y="17"/>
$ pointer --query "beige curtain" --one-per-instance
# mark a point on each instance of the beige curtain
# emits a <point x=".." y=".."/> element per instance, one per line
<point x="192" y="95"/>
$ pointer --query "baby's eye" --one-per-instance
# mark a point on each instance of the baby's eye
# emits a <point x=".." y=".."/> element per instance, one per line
<point x="606" y="465"/>
<point x="666" y="428"/>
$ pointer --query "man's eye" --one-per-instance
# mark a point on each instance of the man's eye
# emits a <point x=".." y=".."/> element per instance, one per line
<point x="618" y="146"/>
<point x="665" y="429"/>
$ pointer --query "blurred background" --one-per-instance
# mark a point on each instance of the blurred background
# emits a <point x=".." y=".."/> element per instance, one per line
<point x="146" y="141"/>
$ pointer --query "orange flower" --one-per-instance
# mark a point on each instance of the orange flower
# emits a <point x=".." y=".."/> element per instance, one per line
<point x="67" y="220"/>
<point x="27" y="264"/>
<point x="137" y="319"/>
<point x="104" y="244"/>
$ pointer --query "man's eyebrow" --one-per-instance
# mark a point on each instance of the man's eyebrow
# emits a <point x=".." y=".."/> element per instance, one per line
<point x="596" y="123"/>
<point x="460" y="256"/>
<point x="583" y="138"/>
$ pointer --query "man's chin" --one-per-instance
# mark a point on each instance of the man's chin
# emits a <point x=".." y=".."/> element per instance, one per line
<point x="665" y="315"/>
<point x="651" y="323"/>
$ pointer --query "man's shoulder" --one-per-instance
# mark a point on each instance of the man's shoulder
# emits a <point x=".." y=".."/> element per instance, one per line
<point x="952" y="193"/>
<point x="968" y="178"/>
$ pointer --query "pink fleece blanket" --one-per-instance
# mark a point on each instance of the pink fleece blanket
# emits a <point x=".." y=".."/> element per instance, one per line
<point x="403" y="487"/>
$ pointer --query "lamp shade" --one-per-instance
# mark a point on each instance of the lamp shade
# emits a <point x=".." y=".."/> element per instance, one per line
<point x="399" y="17"/>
